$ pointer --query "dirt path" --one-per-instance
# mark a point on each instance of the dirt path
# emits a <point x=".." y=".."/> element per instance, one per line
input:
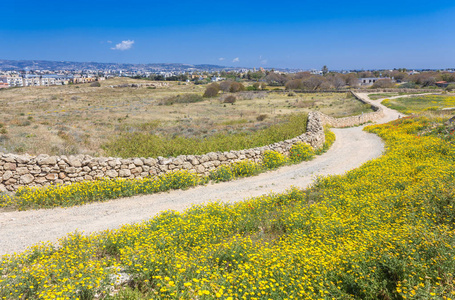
<point x="352" y="148"/>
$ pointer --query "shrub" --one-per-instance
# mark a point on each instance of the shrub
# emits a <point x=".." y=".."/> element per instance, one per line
<point x="212" y="90"/>
<point x="301" y="152"/>
<point x="245" y="168"/>
<point x="261" y="117"/>
<point x="409" y="85"/>
<point x="260" y="85"/>
<point x="236" y="87"/>
<point x="238" y="169"/>
<point x="257" y="86"/>
<point x="230" y="99"/>
<point x="273" y="159"/>
<point x="383" y="83"/>
<point x="183" y="98"/>
<point x="450" y="87"/>
<point x="222" y="173"/>
<point x="95" y="84"/>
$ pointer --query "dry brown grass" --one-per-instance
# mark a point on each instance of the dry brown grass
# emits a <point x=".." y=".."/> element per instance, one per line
<point x="79" y="118"/>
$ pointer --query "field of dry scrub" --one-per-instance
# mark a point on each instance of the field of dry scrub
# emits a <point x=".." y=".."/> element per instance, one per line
<point x="73" y="119"/>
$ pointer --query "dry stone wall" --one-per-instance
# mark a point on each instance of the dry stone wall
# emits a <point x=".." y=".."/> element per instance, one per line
<point x="43" y="170"/>
<point x="399" y="90"/>
<point x="377" y="114"/>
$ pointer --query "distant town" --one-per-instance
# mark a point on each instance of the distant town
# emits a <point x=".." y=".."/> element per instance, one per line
<point x="23" y="73"/>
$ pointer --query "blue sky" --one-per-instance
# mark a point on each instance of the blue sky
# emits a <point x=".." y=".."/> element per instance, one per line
<point x="286" y="34"/>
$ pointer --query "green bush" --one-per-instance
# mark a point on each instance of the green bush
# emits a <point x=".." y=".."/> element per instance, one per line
<point x="231" y="171"/>
<point x="301" y="152"/>
<point x="184" y="98"/>
<point x="273" y="159"/>
<point x="450" y="87"/>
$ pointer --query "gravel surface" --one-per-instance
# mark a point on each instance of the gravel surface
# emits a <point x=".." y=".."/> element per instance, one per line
<point x="19" y="230"/>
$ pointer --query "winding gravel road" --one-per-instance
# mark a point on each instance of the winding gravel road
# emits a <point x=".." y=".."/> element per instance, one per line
<point x="352" y="148"/>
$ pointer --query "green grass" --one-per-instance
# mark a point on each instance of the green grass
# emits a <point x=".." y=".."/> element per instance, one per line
<point x="387" y="95"/>
<point x="148" y="145"/>
<point x="416" y="104"/>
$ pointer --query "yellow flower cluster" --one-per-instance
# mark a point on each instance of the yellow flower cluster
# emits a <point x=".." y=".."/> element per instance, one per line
<point x="273" y="159"/>
<point x="301" y="152"/>
<point x="100" y="190"/>
<point x="383" y="231"/>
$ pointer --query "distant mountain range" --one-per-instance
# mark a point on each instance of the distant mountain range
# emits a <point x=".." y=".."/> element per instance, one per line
<point x="18" y="65"/>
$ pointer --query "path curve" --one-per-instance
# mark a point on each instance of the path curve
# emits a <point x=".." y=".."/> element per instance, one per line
<point x="352" y="148"/>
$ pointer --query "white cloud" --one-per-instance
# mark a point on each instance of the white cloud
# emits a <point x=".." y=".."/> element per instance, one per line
<point x="124" y="45"/>
<point x="236" y="59"/>
<point x="221" y="58"/>
<point x="109" y="42"/>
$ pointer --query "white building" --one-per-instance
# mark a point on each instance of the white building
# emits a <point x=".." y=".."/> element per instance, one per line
<point x="368" y="81"/>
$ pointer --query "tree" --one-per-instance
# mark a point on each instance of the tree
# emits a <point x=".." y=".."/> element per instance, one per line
<point x="337" y="81"/>
<point x="352" y="80"/>
<point x="225" y="86"/>
<point x="325" y="70"/>
<point x="294" y="84"/>
<point x="312" y="83"/>
<point x="275" y="79"/>
<point x="302" y="75"/>
<point x="383" y="83"/>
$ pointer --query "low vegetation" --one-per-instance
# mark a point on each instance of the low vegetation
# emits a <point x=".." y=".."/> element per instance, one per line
<point x="107" y="189"/>
<point x="377" y="96"/>
<point x="79" y="119"/>
<point x="382" y="231"/>
<point x="147" y="145"/>
<point x="181" y="98"/>
<point x="415" y="104"/>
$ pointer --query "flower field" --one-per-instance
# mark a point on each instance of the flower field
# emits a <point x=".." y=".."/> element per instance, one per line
<point x="416" y="104"/>
<point x="382" y="231"/>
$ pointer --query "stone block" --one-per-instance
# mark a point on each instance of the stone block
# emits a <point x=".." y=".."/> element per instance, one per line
<point x="75" y="162"/>
<point x="52" y="176"/>
<point x="10" y="166"/>
<point x="186" y="165"/>
<point x="110" y="173"/>
<point x="136" y="170"/>
<point x="46" y="160"/>
<point x="150" y="162"/>
<point x="124" y="173"/>
<point x="138" y="162"/>
<point x="7" y="175"/>
<point x="27" y="178"/>
<point x="22" y="170"/>
<point x="230" y="155"/>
